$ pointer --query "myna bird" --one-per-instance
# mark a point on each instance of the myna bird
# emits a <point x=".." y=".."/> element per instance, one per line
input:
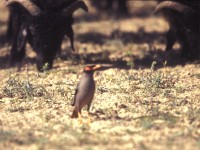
<point x="85" y="89"/>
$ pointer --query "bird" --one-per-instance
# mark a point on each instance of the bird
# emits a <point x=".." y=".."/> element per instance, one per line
<point x="84" y="91"/>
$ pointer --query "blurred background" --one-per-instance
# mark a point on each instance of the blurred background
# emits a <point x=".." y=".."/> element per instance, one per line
<point x="111" y="32"/>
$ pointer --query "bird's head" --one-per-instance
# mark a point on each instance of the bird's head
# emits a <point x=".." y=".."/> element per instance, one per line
<point x="91" y="68"/>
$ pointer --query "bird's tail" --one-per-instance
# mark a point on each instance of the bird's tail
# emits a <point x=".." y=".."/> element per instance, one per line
<point x="74" y="114"/>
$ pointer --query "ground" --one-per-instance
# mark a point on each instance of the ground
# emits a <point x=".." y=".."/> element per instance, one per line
<point x="148" y="99"/>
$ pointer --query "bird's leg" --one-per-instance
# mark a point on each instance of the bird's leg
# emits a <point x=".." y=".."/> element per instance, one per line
<point x="80" y="118"/>
<point x="89" y="119"/>
<point x="88" y="108"/>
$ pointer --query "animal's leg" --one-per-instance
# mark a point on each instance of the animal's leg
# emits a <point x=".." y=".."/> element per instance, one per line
<point x="122" y="6"/>
<point x="171" y="39"/>
<point x="18" y="46"/>
<point x="70" y="34"/>
<point x="186" y="52"/>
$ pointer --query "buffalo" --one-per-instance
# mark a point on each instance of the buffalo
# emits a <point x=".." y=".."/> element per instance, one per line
<point x="119" y="5"/>
<point x="43" y="24"/>
<point x="183" y="18"/>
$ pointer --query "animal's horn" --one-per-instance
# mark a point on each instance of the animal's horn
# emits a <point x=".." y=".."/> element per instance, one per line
<point x="172" y="5"/>
<point x="32" y="8"/>
<point x="74" y="6"/>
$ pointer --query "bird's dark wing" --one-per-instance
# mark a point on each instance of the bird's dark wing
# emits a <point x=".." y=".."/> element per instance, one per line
<point x="76" y="91"/>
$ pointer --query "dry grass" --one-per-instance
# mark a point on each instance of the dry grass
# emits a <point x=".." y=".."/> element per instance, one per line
<point x="138" y="104"/>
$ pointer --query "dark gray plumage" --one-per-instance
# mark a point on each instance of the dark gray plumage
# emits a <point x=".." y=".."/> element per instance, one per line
<point x="85" y="89"/>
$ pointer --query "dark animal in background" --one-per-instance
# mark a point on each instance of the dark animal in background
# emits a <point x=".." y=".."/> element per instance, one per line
<point x="120" y="6"/>
<point x="184" y="25"/>
<point x="9" y="32"/>
<point x="42" y="23"/>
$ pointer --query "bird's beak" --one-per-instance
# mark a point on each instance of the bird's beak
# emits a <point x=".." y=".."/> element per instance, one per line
<point x="96" y="67"/>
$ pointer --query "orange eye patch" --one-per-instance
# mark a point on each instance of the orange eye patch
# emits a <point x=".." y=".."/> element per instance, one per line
<point x="88" y="68"/>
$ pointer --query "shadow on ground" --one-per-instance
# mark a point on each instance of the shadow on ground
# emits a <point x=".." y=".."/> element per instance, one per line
<point x="4" y="62"/>
<point x="126" y="37"/>
<point x="172" y="58"/>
